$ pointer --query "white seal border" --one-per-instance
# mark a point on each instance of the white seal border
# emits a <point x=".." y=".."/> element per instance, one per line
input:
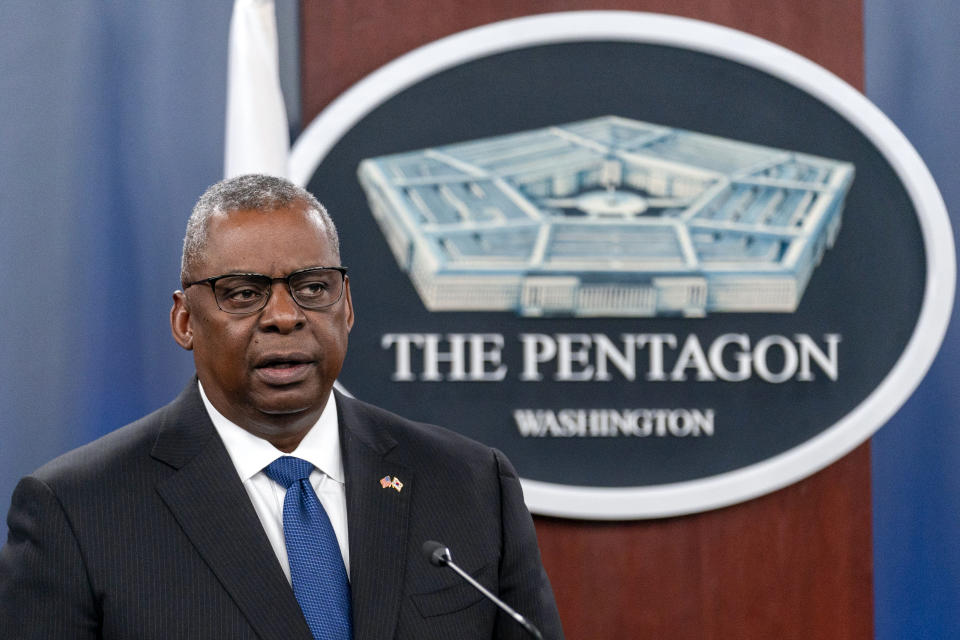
<point x="622" y="503"/>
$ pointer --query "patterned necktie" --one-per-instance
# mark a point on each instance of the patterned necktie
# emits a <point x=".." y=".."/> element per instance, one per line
<point x="316" y="566"/>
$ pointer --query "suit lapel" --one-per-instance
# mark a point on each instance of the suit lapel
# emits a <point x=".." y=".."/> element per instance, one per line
<point x="377" y="519"/>
<point x="214" y="511"/>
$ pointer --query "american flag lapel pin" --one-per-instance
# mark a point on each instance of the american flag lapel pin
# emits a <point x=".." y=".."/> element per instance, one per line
<point x="386" y="482"/>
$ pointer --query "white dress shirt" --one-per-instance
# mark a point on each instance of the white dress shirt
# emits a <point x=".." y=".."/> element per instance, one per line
<point x="321" y="447"/>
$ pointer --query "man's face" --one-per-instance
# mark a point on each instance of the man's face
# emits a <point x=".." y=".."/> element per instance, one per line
<point x="271" y="371"/>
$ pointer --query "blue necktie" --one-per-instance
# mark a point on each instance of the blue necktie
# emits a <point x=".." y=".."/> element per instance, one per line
<point x="316" y="566"/>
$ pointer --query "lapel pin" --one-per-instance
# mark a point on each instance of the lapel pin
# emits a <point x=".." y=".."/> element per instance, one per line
<point x="386" y="482"/>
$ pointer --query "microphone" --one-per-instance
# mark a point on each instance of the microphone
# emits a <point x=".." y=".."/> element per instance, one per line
<point x="439" y="556"/>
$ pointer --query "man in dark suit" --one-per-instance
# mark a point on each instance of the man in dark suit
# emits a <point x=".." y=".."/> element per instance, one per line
<point x="183" y="524"/>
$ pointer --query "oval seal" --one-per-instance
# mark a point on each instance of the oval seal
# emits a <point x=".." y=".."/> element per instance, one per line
<point x="664" y="265"/>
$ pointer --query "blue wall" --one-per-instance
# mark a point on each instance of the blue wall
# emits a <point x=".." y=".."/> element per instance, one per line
<point x="912" y="52"/>
<point x="112" y="125"/>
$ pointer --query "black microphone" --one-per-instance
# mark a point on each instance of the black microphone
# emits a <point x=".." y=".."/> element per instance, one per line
<point x="439" y="556"/>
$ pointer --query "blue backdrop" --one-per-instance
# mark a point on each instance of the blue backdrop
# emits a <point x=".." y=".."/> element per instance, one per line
<point x="112" y="125"/>
<point x="911" y="53"/>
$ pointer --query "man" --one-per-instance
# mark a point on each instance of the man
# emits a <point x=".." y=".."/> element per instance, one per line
<point x="183" y="524"/>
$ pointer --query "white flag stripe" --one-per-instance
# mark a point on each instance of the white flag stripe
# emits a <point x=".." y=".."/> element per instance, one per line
<point x="257" y="134"/>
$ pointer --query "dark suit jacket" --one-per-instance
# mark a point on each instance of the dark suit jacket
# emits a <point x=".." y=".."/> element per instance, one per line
<point x="148" y="533"/>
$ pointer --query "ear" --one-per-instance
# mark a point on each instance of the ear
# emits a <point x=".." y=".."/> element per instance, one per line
<point x="180" y="321"/>
<point x="348" y="302"/>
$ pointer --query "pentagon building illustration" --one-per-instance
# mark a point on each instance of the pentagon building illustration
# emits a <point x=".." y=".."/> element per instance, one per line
<point x="607" y="217"/>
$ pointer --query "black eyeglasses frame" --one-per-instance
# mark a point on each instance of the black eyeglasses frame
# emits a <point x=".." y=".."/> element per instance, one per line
<point x="212" y="281"/>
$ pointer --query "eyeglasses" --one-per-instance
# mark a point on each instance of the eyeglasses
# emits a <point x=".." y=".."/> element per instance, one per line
<point x="240" y="293"/>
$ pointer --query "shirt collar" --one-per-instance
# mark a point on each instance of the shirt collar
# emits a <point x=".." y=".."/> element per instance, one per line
<point x="250" y="454"/>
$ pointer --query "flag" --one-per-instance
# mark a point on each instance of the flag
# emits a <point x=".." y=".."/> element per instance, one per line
<point x="257" y="134"/>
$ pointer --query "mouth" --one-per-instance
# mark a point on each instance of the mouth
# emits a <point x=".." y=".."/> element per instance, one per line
<point x="283" y="369"/>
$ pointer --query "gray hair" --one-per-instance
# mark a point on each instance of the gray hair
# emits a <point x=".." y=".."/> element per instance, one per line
<point x="250" y="192"/>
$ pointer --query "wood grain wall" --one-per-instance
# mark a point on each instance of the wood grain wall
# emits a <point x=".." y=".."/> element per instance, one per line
<point x="793" y="564"/>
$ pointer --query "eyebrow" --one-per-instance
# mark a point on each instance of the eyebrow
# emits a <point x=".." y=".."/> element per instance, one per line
<point x="240" y="272"/>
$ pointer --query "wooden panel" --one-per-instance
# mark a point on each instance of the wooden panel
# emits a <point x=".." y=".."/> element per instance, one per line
<point x="794" y="564"/>
<point x="344" y="40"/>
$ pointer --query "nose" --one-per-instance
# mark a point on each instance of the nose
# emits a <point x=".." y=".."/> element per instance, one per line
<point x="282" y="314"/>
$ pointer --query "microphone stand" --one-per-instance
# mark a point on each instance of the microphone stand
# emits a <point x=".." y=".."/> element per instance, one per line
<point x="439" y="556"/>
